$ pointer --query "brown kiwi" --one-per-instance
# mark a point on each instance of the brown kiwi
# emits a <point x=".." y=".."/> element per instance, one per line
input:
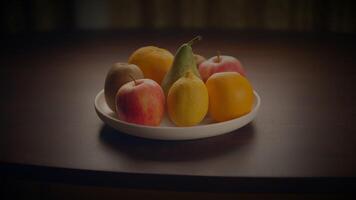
<point x="118" y="75"/>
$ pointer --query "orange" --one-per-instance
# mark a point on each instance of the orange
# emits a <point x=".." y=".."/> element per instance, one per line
<point x="153" y="61"/>
<point x="230" y="96"/>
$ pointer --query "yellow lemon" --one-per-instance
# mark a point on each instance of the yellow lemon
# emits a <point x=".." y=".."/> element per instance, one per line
<point x="153" y="61"/>
<point x="187" y="100"/>
<point x="230" y="96"/>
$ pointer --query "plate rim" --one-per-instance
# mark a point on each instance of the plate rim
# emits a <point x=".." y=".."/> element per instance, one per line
<point x="167" y="128"/>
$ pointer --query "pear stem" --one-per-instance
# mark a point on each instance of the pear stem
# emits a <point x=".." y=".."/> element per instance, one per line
<point x="134" y="80"/>
<point x="197" y="38"/>
<point x="218" y="56"/>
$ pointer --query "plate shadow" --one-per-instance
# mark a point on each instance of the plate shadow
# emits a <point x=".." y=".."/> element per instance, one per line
<point x="159" y="150"/>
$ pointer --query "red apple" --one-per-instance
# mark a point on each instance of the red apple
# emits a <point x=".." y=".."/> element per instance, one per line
<point x="141" y="102"/>
<point x="220" y="63"/>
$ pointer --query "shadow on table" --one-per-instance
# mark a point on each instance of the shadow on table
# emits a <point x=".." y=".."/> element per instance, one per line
<point x="147" y="149"/>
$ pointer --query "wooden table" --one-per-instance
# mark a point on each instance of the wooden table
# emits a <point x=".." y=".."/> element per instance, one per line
<point x="303" y="139"/>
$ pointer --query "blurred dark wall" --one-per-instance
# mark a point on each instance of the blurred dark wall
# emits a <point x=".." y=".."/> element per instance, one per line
<point x="290" y="15"/>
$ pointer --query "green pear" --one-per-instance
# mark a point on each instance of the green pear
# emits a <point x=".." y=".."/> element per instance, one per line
<point x="183" y="62"/>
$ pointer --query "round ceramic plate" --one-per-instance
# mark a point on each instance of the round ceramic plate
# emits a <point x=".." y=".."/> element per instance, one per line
<point x="167" y="130"/>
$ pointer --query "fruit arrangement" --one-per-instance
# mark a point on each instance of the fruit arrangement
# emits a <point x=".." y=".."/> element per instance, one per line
<point x="186" y="87"/>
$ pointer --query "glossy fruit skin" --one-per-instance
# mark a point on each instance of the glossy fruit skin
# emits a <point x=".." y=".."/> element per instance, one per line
<point x="184" y="61"/>
<point x="230" y="96"/>
<point x="118" y="75"/>
<point x="141" y="103"/>
<point x="222" y="64"/>
<point x="153" y="61"/>
<point x="187" y="101"/>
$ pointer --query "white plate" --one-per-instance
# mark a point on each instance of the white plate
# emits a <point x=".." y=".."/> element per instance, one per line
<point x="167" y="130"/>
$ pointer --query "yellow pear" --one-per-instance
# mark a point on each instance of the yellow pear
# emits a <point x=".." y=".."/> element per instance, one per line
<point x="187" y="100"/>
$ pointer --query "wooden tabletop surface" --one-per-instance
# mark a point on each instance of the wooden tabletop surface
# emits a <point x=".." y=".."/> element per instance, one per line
<point x="305" y="129"/>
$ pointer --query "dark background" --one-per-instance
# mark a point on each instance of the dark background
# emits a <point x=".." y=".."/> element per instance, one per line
<point x="21" y="16"/>
<point x="39" y="18"/>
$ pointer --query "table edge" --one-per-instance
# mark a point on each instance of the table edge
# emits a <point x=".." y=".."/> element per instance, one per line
<point x="177" y="182"/>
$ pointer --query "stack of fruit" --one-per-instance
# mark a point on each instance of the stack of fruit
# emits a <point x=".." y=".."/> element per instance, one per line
<point x="186" y="85"/>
